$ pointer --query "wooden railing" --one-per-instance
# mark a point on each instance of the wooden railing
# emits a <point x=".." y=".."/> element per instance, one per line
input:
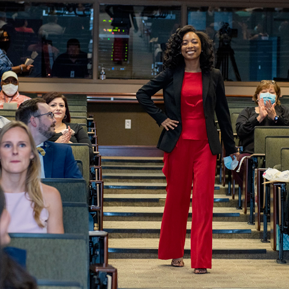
<point x="104" y="97"/>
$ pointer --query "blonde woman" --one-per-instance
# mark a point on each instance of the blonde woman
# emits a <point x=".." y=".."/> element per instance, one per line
<point x="33" y="207"/>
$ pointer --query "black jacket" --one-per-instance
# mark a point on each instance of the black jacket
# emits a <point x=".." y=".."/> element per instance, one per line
<point x="214" y="100"/>
<point x="80" y="136"/>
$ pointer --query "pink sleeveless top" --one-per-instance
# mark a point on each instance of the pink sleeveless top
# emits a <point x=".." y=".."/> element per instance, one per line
<point x="192" y="111"/>
<point x="21" y="213"/>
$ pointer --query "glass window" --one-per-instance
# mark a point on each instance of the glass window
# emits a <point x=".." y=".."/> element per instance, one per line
<point x="57" y="36"/>
<point x="132" y="39"/>
<point x="250" y="44"/>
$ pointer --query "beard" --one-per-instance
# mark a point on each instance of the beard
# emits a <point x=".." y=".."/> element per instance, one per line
<point x="47" y="131"/>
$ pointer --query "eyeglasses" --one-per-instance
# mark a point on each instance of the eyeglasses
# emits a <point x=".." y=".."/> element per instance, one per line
<point x="13" y="81"/>
<point x="268" y="81"/>
<point x="50" y="114"/>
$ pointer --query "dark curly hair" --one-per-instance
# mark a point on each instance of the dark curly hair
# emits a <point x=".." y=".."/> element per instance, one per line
<point x="48" y="97"/>
<point x="173" y="56"/>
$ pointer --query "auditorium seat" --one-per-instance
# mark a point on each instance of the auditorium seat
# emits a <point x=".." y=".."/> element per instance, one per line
<point x="77" y="108"/>
<point x="79" y="119"/>
<point x="260" y="133"/>
<point x="96" y="190"/>
<point x="285" y="159"/>
<point x="7" y="113"/>
<point x="74" y="114"/>
<point x="278" y="193"/>
<point x="75" y="218"/>
<point x="273" y="147"/>
<point x="234" y="117"/>
<point x="100" y="265"/>
<point x="47" y="284"/>
<point x="223" y="169"/>
<point x="80" y="166"/>
<point x="81" y="152"/>
<point x="277" y="200"/>
<point x="236" y="110"/>
<point x="71" y="190"/>
<point x="55" y="257"/>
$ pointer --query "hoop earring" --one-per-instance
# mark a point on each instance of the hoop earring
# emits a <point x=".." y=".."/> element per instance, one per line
<point x="65" y="117"/>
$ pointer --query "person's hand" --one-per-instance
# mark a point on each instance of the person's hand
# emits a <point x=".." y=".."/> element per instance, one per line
<point x="262" y="110"/>
<point x="65" y="138"/>
<point x="270" y="108"/>
<point x="169" y="124"/>
<point x="234" y="155"/>
<point x="25" y="67"/>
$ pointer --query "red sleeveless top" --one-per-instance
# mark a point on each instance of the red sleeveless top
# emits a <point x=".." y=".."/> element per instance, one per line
<point x="192" y="111"/>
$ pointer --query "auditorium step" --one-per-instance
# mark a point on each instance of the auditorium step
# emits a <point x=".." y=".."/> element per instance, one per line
<point x="153" y="161"/>
<point x="156" y="200"/>
<point x="156" y="213"/>
<point x="134" y="248"/>
<point x="151" y="229"/>
<point x="134" y="177"/>
<point x="144" y="188"/>
<point x="146" y="168"/>
<point x="134" y="199"/>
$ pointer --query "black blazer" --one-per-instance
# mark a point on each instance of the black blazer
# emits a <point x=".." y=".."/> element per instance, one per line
<point x="214" y="100"/>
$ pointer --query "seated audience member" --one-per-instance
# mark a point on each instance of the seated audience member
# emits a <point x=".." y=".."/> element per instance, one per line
<point x="268" y="112"/>
<point x="43" y="62"/>
<point x="72" y="63"/>
<point x="9" y="92"/>
<point x="33" y="207"/>
<point x="12" y="275"/>
<point x="3" y="121"/>
<point x="51" y="28"/>
<point x="23" y="27"/>
<point x="64" y="130"/>
<point x="57" y="160"/>
<point x="5" y="63"/>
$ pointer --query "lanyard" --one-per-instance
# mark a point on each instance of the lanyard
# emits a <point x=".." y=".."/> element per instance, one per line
<point x="9" y="100"/>
<point x="5" y="98"/>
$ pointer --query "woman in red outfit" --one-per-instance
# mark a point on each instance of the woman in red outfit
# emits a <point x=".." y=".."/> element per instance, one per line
<point x="193" y="90"/>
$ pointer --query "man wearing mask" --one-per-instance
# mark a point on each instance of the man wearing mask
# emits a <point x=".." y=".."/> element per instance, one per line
<point x="5" y="63"/>
<point x="9" y="92"/>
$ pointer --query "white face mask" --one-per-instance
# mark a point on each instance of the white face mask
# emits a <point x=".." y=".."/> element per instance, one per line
<point x="10" y="89"/>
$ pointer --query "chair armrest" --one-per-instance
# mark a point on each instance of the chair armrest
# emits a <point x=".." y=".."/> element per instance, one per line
<point x="256" y="155"/>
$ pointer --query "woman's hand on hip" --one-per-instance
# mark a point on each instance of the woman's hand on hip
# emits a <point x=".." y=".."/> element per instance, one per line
<point x="169" y="124"/>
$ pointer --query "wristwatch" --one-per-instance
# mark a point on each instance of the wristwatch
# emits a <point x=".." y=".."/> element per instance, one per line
<point x="276" y="118"/>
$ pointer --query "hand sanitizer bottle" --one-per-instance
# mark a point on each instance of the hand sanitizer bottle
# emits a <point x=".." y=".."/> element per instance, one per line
<point x="102" y="74"/>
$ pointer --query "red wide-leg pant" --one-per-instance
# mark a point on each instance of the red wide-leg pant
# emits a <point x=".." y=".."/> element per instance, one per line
<point x="191" y="161"/>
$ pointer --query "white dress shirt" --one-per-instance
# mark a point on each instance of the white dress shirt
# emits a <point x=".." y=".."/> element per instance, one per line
<point x="42" y="174"/>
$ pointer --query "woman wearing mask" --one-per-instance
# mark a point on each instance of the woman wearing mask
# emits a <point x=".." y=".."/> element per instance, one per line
<point x="193" y="90"/>
<point x="268" y="112"/>
<point x="9" y="92"/>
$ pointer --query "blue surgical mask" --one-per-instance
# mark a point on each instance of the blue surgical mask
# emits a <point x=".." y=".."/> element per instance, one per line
<point x="268" y="96"/>
<point x="231" y="164"/>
